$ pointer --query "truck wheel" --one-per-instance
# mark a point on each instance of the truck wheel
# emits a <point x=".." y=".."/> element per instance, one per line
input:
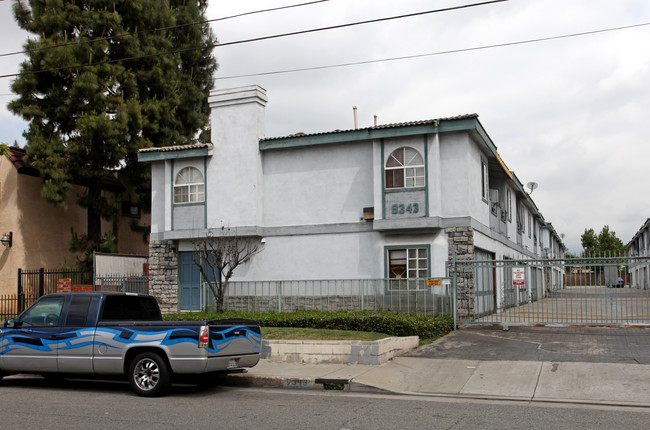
<point x="149" y="375"/>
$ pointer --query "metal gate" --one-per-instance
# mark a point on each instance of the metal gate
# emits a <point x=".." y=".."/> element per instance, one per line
<point x="485" y="285"/>
<point x="575" y="291"/>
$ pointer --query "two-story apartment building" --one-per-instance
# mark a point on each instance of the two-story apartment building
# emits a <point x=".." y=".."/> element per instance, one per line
<point x="388" y="201"/>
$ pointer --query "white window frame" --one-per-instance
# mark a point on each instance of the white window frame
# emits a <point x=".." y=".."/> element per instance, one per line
<point x="193" y="184"/>
<point x="411" y="168"/>
<point x="415" y="261"/>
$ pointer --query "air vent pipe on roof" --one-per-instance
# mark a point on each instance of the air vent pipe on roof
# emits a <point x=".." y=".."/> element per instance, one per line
<point x="356" y="123"/>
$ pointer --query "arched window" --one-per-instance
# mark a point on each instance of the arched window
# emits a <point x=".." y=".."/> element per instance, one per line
<point x="189" y="186"/>
<point x="405" y="169"/>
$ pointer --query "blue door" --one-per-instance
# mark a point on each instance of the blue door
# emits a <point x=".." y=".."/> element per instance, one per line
<point x="190" y="279"/>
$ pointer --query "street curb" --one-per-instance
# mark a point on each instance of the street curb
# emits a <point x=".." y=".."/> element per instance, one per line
<point x="243" y="380"/>
<point x="337" y="351"/>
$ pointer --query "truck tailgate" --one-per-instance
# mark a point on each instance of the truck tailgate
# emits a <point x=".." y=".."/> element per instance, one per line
<point x="230" y="337"/>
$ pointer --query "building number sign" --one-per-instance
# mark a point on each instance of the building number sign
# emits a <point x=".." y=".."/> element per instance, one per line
<point x="404" y="208"/>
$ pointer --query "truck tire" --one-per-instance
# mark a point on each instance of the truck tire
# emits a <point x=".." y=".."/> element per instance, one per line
<point x="149" y="375"/>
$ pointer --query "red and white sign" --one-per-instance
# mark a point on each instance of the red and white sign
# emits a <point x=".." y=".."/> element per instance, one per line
<point x="518" y="276"/>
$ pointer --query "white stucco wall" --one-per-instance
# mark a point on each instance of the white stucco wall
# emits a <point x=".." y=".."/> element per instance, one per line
<point x="160" y="198"/>
<point x="460" y="167"/>
<point x="337" y="256"/>
<point x="235" y="168"/>
<point x="317" y="185"/>
<point x="316" y="256"/>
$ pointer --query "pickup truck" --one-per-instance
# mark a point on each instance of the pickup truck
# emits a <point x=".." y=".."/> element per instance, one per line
<point x="122" y="334"/>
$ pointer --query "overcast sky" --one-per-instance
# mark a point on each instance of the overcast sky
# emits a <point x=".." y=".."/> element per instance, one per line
<point x="572" y="114"/>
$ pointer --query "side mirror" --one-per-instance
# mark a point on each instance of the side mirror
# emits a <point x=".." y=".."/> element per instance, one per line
<point x="10" y="323"/>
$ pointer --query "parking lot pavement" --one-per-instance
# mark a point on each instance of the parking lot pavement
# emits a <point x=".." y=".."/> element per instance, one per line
<point x="624" y="345"/>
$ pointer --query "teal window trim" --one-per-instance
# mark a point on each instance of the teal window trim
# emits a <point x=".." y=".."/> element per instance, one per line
<point x="189" y="204"/>
<point x="178" y="269"/>
<point x="205" y="192"/>
<point x="426" y="174"/>
<point x="405" y="189"/>
<point x="485" y="180"/>
<point x="393" y="247"/>
<point x="180" y="205"/>
<point x="383" y="182"/>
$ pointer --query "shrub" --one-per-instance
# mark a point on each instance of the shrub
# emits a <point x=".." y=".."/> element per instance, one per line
<point x="426" y="327"/>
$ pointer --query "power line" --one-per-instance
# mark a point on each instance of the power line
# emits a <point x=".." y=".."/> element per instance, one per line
<point x="172" y="27"/>
<point x="453" y="51"/>
<point x="370" y="21"/>
<point x="257" y="39"/>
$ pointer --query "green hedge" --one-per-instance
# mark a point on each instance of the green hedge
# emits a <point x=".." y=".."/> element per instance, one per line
<point x="425" y="327"/>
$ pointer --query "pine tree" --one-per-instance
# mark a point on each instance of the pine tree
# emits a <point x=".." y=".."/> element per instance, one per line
<point x="104" y="79"/>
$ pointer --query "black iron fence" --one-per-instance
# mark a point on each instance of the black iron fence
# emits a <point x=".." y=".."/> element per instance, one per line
<point x="33" y="284"/>
<point x="43" y="281"/>
<point x="9" y="305"/>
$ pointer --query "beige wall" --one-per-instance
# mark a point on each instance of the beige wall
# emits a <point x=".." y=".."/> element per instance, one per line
<point x="41" y="231"/>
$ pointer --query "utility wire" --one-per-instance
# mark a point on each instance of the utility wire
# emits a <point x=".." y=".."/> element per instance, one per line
<point x="172" y="27"/>
<point x="257" y="39"/>
<point x="453" y="51"/>
<point x="370" y="21"/>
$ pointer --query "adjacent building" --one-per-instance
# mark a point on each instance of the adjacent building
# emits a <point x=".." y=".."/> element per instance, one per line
<point x="40" y="232"/>
<point x="394" y="201"/>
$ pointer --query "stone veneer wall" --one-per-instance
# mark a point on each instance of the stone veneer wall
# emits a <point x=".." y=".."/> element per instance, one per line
<point x="163" y="267"/>
<point x="461" y="240"/>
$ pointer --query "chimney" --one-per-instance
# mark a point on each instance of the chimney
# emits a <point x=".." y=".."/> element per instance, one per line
<point x="237" y="121"/>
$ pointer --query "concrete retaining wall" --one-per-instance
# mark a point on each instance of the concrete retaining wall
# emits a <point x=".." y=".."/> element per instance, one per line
<point x="337" y="351"/>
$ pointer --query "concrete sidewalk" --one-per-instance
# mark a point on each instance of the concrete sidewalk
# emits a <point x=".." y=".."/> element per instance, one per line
<point x="575" y="382"/>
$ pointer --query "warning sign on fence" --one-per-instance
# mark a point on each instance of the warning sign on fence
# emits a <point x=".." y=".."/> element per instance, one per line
<point x="518" y="276"/>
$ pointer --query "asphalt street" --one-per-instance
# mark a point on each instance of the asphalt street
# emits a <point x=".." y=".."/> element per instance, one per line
<point x="32" y="403"/>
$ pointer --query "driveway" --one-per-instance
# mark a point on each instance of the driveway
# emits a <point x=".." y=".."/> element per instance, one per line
<point x="549" y="344"/>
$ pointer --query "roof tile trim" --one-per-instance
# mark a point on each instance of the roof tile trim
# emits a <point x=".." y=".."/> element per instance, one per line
<point x="176" y="148"/>
<point x="435" y="122"/>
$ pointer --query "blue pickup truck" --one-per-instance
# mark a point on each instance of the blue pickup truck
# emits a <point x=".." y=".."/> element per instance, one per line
<point x="122" y="334"/>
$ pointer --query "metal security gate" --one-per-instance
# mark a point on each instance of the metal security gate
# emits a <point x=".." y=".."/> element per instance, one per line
<point x="576" y="291"/>
<point x="485" y="280"/>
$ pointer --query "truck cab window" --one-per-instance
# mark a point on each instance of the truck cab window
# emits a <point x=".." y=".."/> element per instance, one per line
<point x="135" y="308"/>
<point x="45" y="312"/>
<point x="77" y="311"/>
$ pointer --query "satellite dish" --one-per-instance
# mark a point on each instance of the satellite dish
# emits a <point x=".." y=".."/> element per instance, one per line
<point x="531" y="186"/>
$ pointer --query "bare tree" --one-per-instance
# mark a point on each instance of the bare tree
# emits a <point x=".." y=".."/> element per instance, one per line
<point x="217" y="257"/>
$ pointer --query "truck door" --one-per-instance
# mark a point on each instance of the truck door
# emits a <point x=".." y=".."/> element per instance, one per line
<point x="76" y="337"/>
<point x="31" y="346"/>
